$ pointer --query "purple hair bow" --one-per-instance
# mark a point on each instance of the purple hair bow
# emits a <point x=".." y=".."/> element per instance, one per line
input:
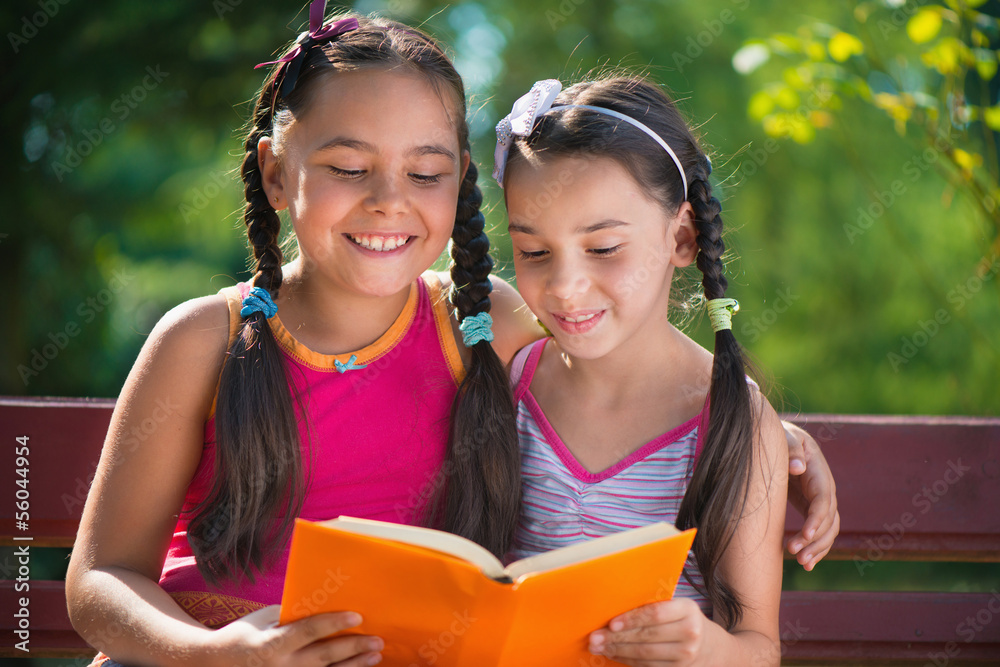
<point x="316" y="34"/>
<point x="521" y="120"/>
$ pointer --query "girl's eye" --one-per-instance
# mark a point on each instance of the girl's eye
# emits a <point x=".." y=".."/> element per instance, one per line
<point x="606" y="252"/>
<point x="528" y="256"/>
<point x="426" y="178"/>
<point x="347" y="173"/>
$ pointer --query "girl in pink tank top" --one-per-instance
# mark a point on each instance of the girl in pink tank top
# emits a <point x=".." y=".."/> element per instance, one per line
<point x="356" y="400"/>
<point x="624" y="420"/>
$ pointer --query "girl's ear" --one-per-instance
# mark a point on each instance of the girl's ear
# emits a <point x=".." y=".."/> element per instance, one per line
<point x="464" y="165"/>
<point x="270" y="174"/>
<point x="684" y="235"/>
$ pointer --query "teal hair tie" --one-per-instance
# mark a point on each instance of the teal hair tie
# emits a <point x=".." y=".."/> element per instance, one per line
<point x="349" y="366"/>
<point x="720" y="312"/>
<point x="258" y="300"/>
<point x="476" y="328"/>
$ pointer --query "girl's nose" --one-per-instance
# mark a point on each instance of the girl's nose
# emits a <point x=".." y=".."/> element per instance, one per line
<point x="386" y="196"/>
<point x="566" y="280"/>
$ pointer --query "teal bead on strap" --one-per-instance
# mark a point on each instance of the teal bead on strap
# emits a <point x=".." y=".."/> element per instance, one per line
<point x="349" y="366"/>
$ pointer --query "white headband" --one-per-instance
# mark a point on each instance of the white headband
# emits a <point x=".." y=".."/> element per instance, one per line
<point x="536" y="103"/>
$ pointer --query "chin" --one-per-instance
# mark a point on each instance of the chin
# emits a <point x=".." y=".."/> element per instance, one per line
<point x="384" y="288"/>
<point x="583" y="349"/>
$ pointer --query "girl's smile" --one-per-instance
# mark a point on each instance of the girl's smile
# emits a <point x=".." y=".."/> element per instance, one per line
<point x="578" y="322"/>
<point x="380" y="244"/>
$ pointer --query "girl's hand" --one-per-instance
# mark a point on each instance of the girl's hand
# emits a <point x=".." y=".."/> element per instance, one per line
<point x="672" y="632"/>
<point x="256" y="639"/>
<point x="813" y="492"/>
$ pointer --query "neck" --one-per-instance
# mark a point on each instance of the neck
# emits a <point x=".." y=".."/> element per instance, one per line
<point x="329" y="319"/>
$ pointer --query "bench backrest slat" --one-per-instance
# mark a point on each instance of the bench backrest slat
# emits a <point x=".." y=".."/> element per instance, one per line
<point x="914" y="488"/>
<point x="65" y="437"/>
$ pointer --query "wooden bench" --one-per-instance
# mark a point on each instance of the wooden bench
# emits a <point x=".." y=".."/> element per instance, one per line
<point x="910" y="488"/>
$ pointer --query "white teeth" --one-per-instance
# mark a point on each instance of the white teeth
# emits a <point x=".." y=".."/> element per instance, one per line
<point x="581" y="318"/>
<point x="379" y="243"/>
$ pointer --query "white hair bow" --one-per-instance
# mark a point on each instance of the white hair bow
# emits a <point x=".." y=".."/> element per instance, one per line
<point x="521" y="120"/>
<point x="537" y="102"/>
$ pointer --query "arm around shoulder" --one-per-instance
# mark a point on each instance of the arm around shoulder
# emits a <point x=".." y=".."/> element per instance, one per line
<point x="514" y="325"/>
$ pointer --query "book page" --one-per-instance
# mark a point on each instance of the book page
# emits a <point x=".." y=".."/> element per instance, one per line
<point x="428" y="538"/>
<point x="601" y="546"/>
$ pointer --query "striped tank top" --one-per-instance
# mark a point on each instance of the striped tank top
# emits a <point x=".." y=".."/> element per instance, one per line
<point x="564" y="503"/>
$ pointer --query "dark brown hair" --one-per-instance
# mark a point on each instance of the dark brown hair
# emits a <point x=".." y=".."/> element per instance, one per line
<point x="717" y="494"/>
<point x="257" y="489"/>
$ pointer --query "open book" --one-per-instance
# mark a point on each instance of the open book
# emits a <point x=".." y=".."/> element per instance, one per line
<point x="439" y="599"/>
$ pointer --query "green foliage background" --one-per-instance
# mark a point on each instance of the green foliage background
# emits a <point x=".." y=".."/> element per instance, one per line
<point x="99" y="245"/>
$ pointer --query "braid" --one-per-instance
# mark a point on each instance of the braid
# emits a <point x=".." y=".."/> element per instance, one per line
<point x="470" y="270"/>
<point x="483" y="495"/>
<point x="717" y="494"/>
<point x="707" y="213"/>
<point x="256" y="491"/>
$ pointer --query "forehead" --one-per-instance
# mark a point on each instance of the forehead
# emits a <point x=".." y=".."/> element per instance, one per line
<point x="390" y="108"/>
<point x="574" y="191"/>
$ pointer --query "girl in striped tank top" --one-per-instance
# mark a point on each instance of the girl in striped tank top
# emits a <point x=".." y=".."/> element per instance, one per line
<point x="623" y="420"/>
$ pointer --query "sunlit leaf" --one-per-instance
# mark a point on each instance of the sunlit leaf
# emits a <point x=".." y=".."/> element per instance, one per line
<point x="886" y="100"/>
<point x="792" y="125"/>
<point x="787" y="98"/>
<point x="815" y="51"/>
<point x="924" y="25"/>
<point x="843" y="45"/>
<point x="785" y="43"/>
<point x="798" y="78"/>
<point x="948" y="56"/>
<point x="967" y="161"/>
<point x="986" y="63"/>
<point x="761" y="104"/>
<point x="802" y="132"/>
<point x="991" y="116"/>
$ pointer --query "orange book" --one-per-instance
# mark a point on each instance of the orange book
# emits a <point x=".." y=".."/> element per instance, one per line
<point x="439" y="599"/>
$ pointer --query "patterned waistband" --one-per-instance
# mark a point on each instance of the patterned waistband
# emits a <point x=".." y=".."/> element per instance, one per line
<point x="214" y="611"/>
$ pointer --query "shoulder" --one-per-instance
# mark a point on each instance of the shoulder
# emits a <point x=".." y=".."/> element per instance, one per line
<point x="514" y="326"/>
<point x="196" y="325"/>
<point x="187" y="348"/>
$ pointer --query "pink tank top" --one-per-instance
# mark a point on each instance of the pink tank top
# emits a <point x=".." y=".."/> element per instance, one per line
<point x="379" y="436"/>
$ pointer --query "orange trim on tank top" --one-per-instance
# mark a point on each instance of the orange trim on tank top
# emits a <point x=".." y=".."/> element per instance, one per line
<point x="366" y="355"/>
<point x="442" y="321"/>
